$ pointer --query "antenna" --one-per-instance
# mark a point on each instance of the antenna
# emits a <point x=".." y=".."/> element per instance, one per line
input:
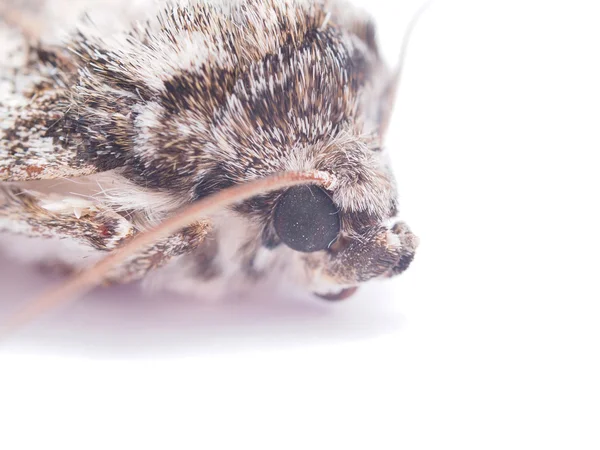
<point x="91" y="277"/>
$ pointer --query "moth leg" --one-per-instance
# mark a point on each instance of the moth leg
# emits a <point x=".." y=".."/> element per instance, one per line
<point x="160" y="253"/>
<point x="55" y="216"/>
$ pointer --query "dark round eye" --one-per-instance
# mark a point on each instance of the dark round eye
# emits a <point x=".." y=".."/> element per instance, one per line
<point x="306" y="219"/>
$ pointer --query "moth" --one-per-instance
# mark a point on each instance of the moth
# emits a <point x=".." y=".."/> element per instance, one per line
<point x="112" y="130"/>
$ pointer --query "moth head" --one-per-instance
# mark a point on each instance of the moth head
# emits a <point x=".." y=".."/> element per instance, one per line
<point x="342" y="235"/>
<point x="338" y="249"/>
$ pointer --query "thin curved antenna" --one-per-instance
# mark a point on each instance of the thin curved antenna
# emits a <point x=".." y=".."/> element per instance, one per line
<point x="91" y="277"/>
<point x="392" y="91"/>
<point x="406" y="39"/>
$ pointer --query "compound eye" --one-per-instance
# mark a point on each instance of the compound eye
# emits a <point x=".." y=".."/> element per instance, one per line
<point x="306" y="219"/>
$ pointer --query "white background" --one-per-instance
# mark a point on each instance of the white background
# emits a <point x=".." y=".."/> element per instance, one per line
<point x="489" y="341"/>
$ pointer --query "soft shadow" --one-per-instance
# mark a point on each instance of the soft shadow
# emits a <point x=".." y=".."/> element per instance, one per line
<point x="125" y="321"/>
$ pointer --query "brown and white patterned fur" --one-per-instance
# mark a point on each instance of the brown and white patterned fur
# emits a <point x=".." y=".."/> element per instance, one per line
<point x="135" y="114"/>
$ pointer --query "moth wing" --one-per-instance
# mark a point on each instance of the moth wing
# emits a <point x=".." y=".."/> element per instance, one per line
<point x="39" y="138"/>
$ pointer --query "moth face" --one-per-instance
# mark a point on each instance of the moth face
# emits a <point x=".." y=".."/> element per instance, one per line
<point x="340" y="238"/>
<point x="339" y="250"/>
